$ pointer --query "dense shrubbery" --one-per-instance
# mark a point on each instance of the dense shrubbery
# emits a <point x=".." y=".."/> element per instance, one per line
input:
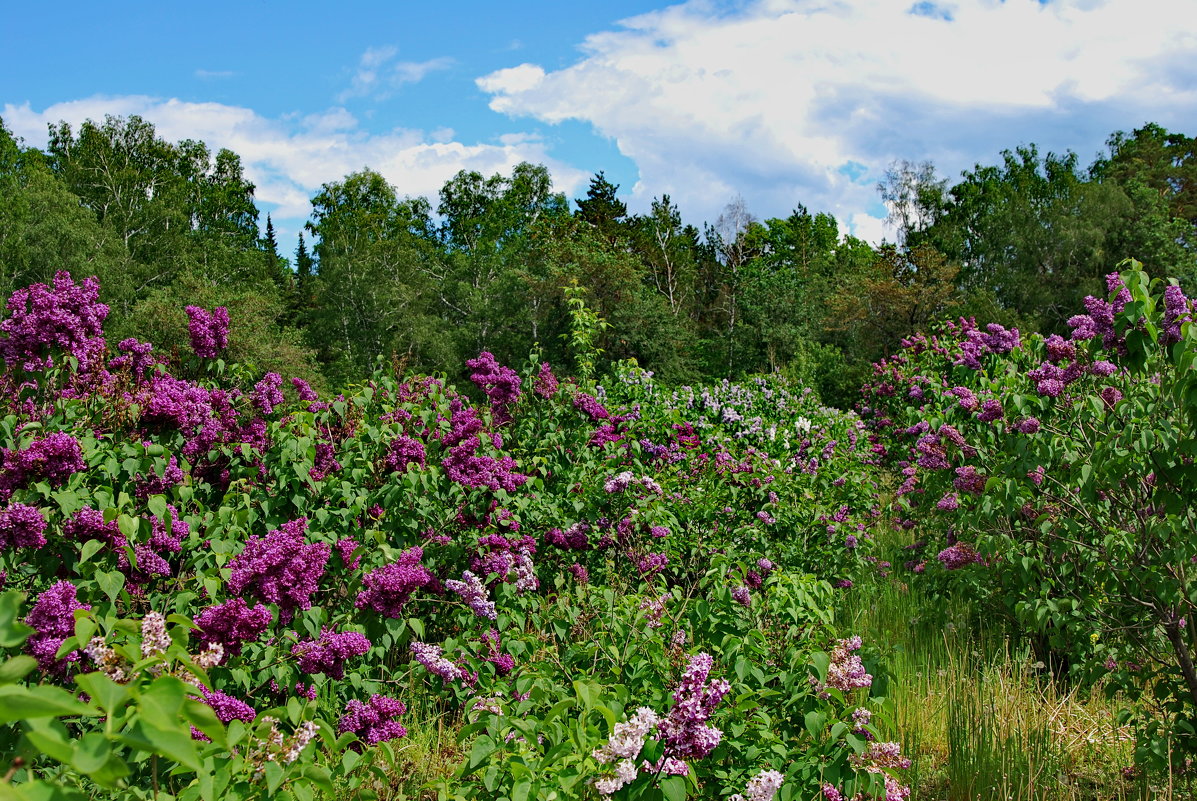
<point x="1062" y="471"/>
<point x="219" y="585"/>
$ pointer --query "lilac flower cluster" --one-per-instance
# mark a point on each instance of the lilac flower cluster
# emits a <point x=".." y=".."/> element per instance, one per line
<point x="590" y="406"/>
<point x="574" y="538"/>
<point x="209" y="330"/>
<point x="390" y="587"/>
<point x="22" y="526"/>
<point x="232" y="623"/>
<point x="53" y="620"/>
<point x="268" y="393"/>
<point x="652" y="563"/>
<point x="430" y="657"/>
<point x="463" y="464"/>
<point x="68" y="317"/>
<point x="1177" y="311"/>
<point x="960" y="555"/>
<point x="404" y="450"/>
<point x="53" y="458"/>
<point x="345" y="547"/>
<point x="325" y="462"/>
<point x="545" y="384"/>
<point x="623" y="748"/>
<point x="474" y="593"/>
<point x="501" y="385"/>
<point x="761" y="787"/>
<point x="685" y="731"/>
<point x="995" y="339"/>
<point x="88" y="524"/>
<point x="136" y="356"/>
<point x="154" y="484"/>
<point x="845" y="672"/>
<point x="504" y="663"/>
<point x="226" y="707"/>
<point x="329" y="654"/>
<point x="280" y="568"/>
<point x="374" y="722"/>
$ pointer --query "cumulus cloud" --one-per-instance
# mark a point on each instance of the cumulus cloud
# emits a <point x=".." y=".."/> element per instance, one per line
<point x="288" y="159"/>
<point x="775" y="98"/>
<point x="378" y="74"/>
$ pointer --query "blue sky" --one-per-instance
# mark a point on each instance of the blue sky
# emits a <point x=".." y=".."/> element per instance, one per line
<point x="782" y="101"/>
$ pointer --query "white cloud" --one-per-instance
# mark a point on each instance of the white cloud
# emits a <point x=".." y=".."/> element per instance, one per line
<point x="214" y="74"/>
<point x="776" y="98"/>
<point x="379" y="75"/>
<point x="288" y="159"/>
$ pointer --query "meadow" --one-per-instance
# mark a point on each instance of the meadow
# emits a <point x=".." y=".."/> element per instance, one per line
<point x="219" y="583"/>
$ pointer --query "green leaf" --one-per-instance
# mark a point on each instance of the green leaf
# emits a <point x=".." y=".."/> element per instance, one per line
<point x="91" y="753"/>
<point x="12" y="631"/>
<point x="674" y="788"/>
<point x="111" y="583"/>
<point x="89" y="549"/>
<point x="18" y="702"/>
<point x="17" y="668"/>
<point x="173" y="743"/>
<point x="105" y="693"/>
<point x="483" y="747"/>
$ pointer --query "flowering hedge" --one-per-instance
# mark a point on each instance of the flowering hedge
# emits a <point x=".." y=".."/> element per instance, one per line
<point x="1062" y="470"/>
<point x="219" y="585"/>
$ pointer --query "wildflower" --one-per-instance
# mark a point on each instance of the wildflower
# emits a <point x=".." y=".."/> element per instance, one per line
<point x="373" y="722"/>
<point x="329" y="654"/>
<point x="22" y="526"/>
<point x="280" y="568"/>
<point x="684" y="730"/>
<point x="53" y="620"/>
<point x="474" y="593"/>
<point x="154" y="639"/>
<point x="761" y="787"/>
<point x="389" y="588"/>
<point x="232" y="623"/>
<point x="209" y="330"/>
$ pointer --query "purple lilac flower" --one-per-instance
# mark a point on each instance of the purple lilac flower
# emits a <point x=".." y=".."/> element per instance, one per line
<point x="590" y="406"/>
<point x="345" y="547"/>
<point x="959" y="555"/>
<point x="1059" y="349"/>
<point x="761" y="787"/>
<point x="329" y="654"/>
<point x="268" y="393"/>
<point x="580" y="573"/>
<point x="1036" y="475"/>
<point x="22" y="526"/>
<point x="990" y="410"/>
<point x="474" y="593"/>
<point x="53" y="620"/>
<point x="742" y="596"/>
<point x="1030" y="425"/>
<point x="1110" y="396"/>
<point x="967" y="399"/>
<point x="390" y="587"/>
<point x="545" y="384"/>
<point x="304" y="390"/>
<point x="209" y="330"/>
<point x="226" y="707"/>
<point x="137" y="356"/>
<point x="280" y="568"/>
<point x="430" y="657"/>
<point x="948" y="503"/>
<point x="404" y="450"/>
<point x="1177" y="312"/>
<point x="375" y="721"/>
<point x="232" y="624"/>
<point x="68" y="317"/>
<point x="846" y="672"/>
<point x="53" y="458"/>
<point x="501" y="385"/>
<point x="684" y="731"/>
<point x="88" y="524"/>
<point x="652" y="563"/>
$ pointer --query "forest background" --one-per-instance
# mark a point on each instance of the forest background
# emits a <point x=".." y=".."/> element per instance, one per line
<point x="493" y="262"/>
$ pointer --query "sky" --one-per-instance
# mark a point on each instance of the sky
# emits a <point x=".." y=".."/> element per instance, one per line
<point x="783" y="102"/>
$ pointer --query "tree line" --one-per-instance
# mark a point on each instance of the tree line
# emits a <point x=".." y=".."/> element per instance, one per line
<point x="500" y="262"/>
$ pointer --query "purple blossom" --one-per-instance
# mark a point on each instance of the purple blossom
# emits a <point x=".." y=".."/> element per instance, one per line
<point x="1029" y="425"/>
<point x="846" y="672"/>
<point x="137" y="356"/>
<point x="1103" y="368"/>
<point x="268" y="393"/>
<point x="226" y="707"/>
<point x="474" y="593"/>
<point x="684" y="731"/>
<point x="990" y="410"/>
<point x="1177" y="312"/>
<point x="580" y="573"/>
<point x="329" y="654"/>
<point x="88" y="524"/>
<point x="652" y="563"/>
<point x="280" y="568"/>
<point x="304" y="390"/>
<point x="232" y="624"/>
<point x="209" y="330"/>
<point x="22" y="526"/>
<point x="1110" y="396"/>
<point x="501" y="385"/>
<point x="404" y="450"/>
<point x="948" y="503"/>
<point x="430" y="657"/>
<point x="590" y="406"/>
<point x="390" y="587"/>
<point x="66" y="317"/>
<point x="374" y="722"/>
<point x="54" y="458"/>
<point x="53" y="620"/>
<point x="959" y="555"/>
<point x="545" y="384"/>
<point x="345" y="547"/>
<point x="742" y="596"/>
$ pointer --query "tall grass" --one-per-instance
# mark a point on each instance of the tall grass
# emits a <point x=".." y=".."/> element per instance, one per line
<point x="979" y="715"/>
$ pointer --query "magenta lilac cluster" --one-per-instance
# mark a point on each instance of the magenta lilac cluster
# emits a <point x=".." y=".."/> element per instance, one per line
<point x="280" y="568"/>
<point x="388" y="589"/>
<point x="53" y="621"/>
<point x="22" y="526"/>
<point x="232" y="624"/>
<point x="67" y="317"/>
<point x="373" y="722"/>
<point x="685" y="730"/>
<point x="209" y="330"/>
<point x="53" y="458"/>
<point x="329" y="654"/>
<point x="500" y="383"/>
